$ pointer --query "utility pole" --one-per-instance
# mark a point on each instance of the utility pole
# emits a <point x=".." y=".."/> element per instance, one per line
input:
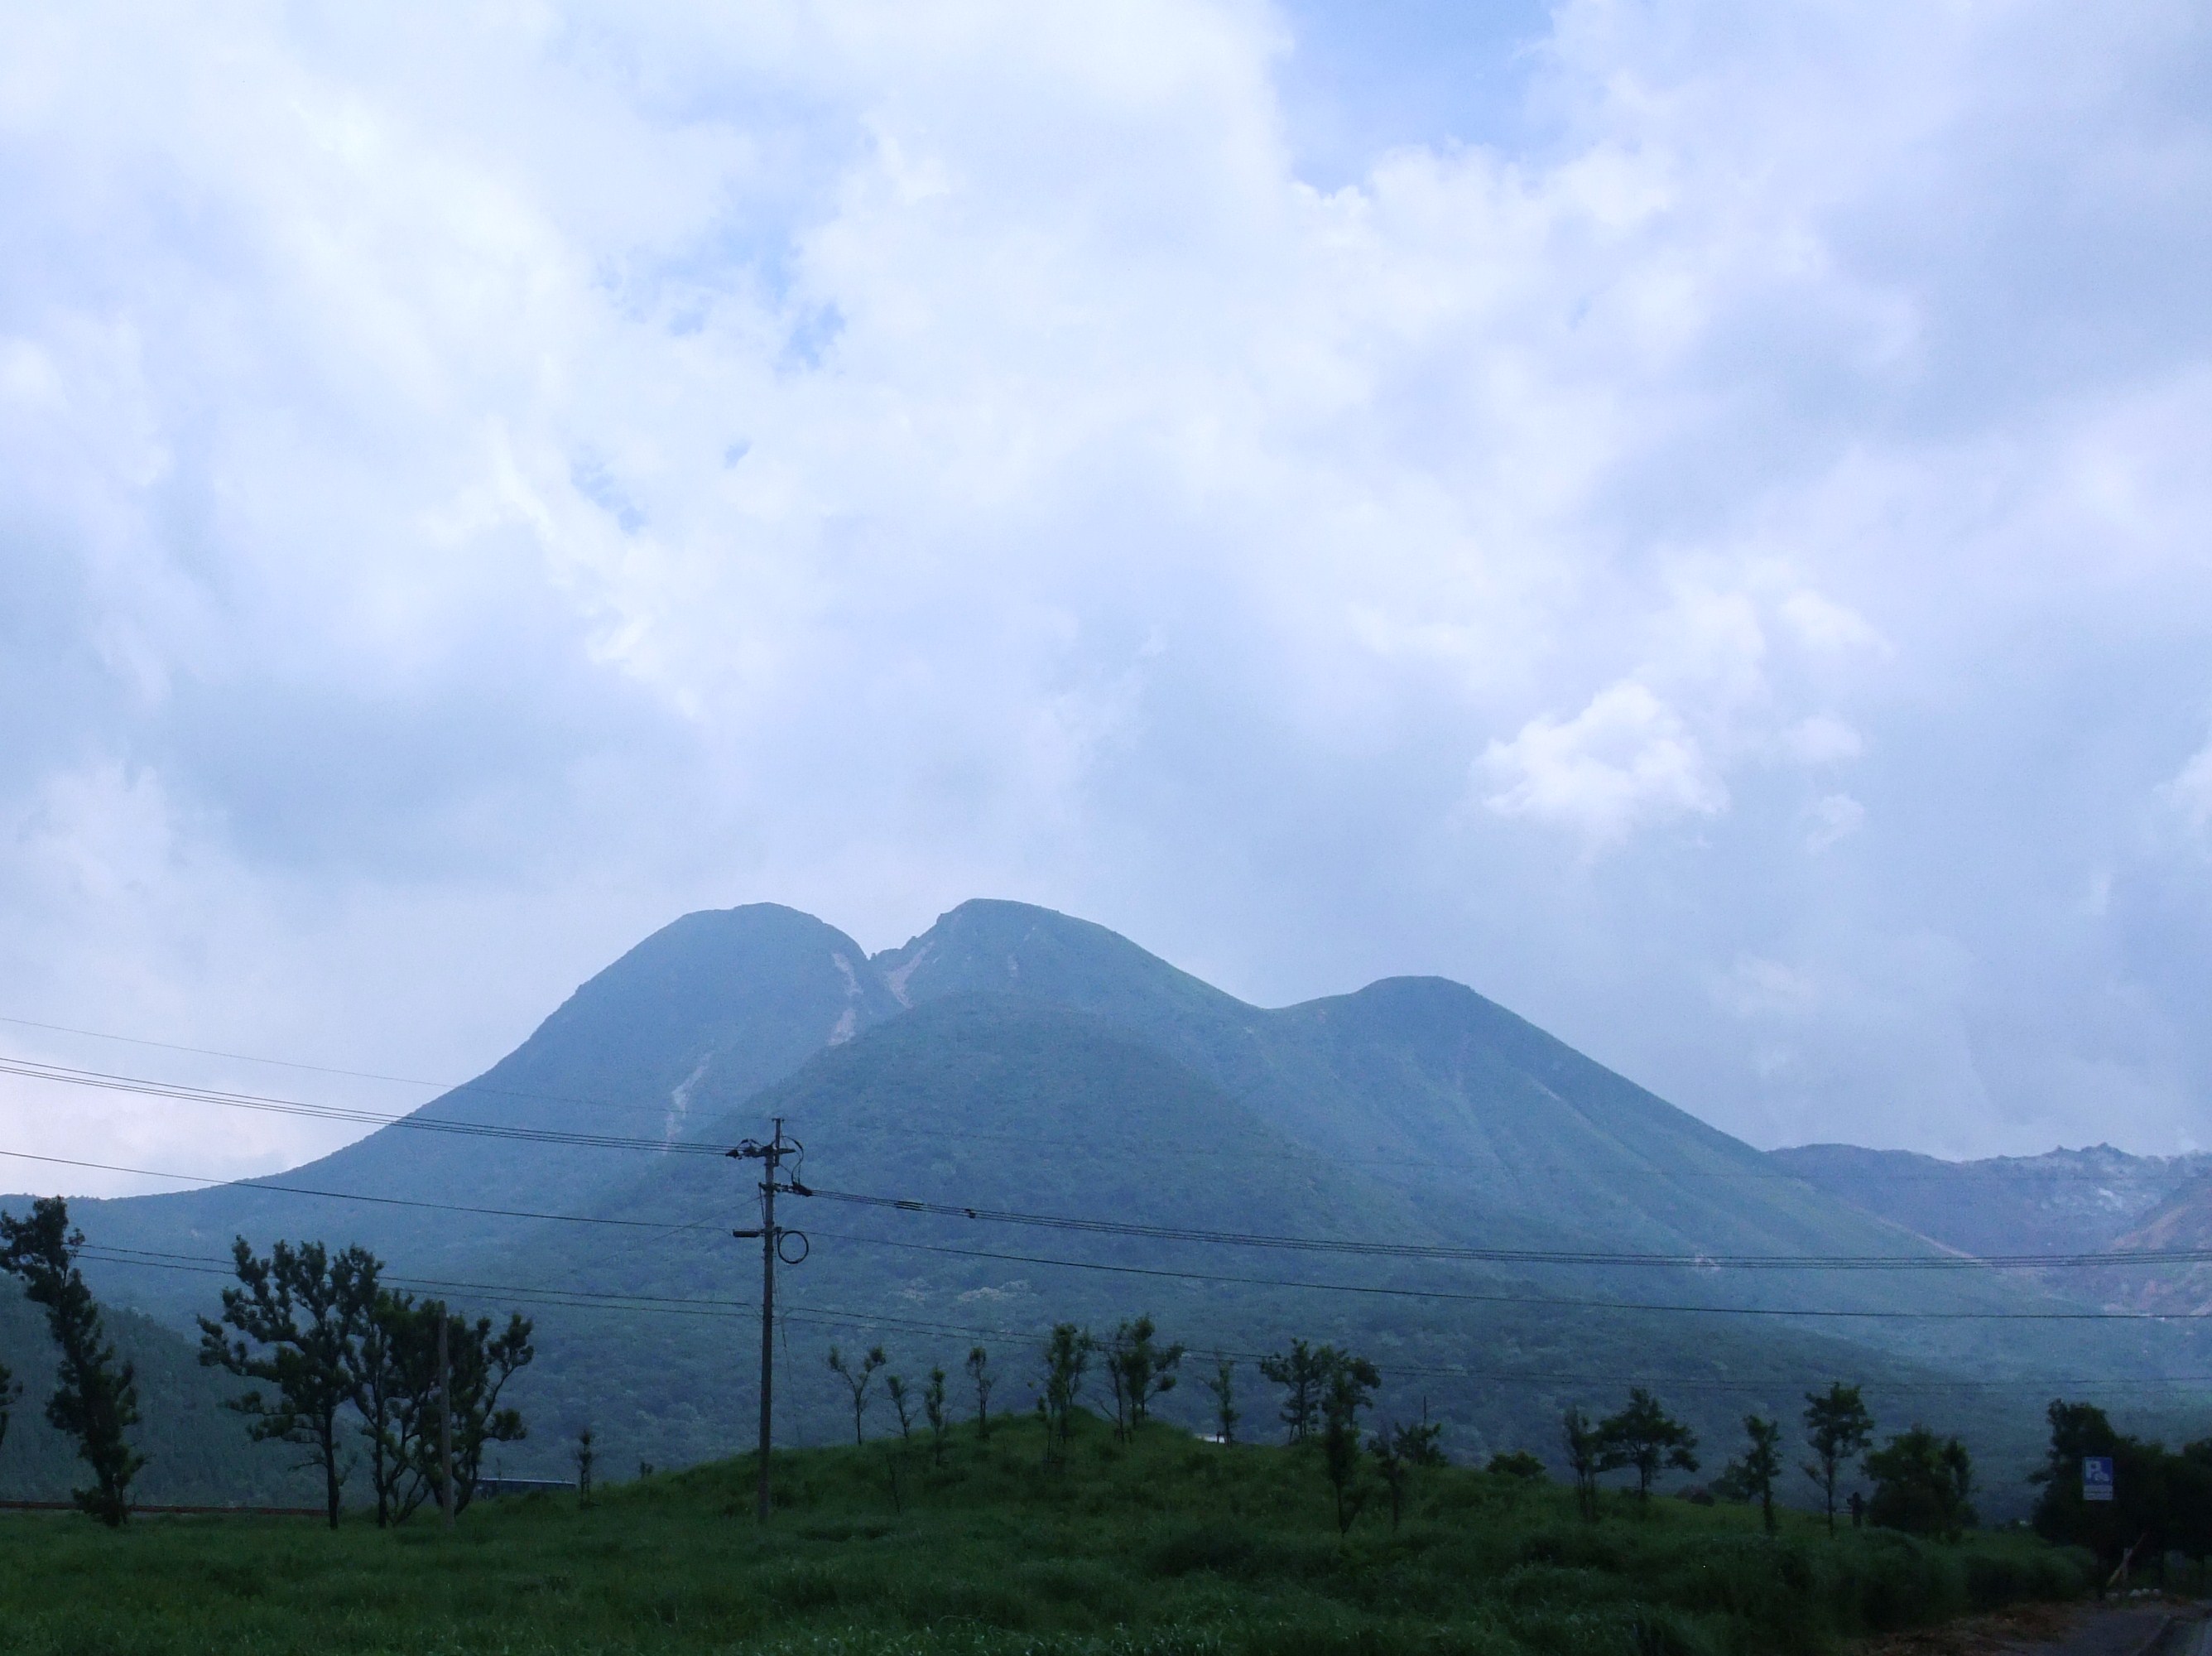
<point x="445" y="1420"/>
<point x="771" y="1156"/>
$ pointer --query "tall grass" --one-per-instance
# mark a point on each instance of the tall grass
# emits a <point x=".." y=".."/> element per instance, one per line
<point x="1162" y="1547"/>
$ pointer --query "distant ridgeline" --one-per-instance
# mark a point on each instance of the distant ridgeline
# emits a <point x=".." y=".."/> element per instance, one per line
<point x="1549" y="1232"/>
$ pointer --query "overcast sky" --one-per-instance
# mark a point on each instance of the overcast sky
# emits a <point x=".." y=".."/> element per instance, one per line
<point x="1694" y="519"/>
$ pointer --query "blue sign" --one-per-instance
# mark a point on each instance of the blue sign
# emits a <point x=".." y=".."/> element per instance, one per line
<point x="2096" y="1477"/>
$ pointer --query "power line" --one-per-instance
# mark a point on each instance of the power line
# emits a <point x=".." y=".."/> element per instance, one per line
<point x="353" y="1195"/>
<point x="416" y="1121"/>
<point x="837" y="1316"/>
<point x="1431" y="1253"/>
<point x="1442" y="1252"/>
<point x="1539" y="1299"/>
<point x="1683" y="1175"/>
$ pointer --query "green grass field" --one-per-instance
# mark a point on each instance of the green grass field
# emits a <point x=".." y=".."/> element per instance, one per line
<point x="1169" y="1545"/>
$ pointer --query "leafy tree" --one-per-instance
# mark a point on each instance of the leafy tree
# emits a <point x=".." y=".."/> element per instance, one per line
<point x="932" y="1409"/>
<point x="1921" y="1482"/>
<point x="902" y="1404"/>
<point x="1139" y="1369"/>
<point x="1837" y="1427"/>
<point x="1302" y="1373"/>
<point x="1643" y="1437"/>
<point x="96" y="1398"/>
<point x="2145" y="1479"/>
<point x="1349" y="1388"/>
<point x="2189" y="1499"/>
<point x="373" y="1388"/>
<point x="302" y="1314"/>
<point x="479" y="1364"/>
<point x="1067" y="1352"/>
<point x="10" y="1395"/>
<point x="1398" y="1452"/>
<point x="1586" y="1446"/>
<point x="979" y="1371"/>
<point x="1222" y="1383"/>
<point x="858" y="1380"/>
<point x="1752" y="1477"/>
<point x="1518" y="1462"/>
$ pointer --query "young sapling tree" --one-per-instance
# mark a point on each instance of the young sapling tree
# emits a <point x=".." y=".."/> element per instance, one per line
<point x="1222" y="1383"/>
<point x="1349" y="1388"/>
<point x="933" y="1410"/>
<point x="857" y="1379"/>
<point x="979" y="1371"/>
<point x="1837" y="1427"/>
<point x="1643" y="1437"/>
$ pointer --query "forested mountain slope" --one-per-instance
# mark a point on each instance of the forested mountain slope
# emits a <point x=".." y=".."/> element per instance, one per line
<point x="1014" y="1059"/>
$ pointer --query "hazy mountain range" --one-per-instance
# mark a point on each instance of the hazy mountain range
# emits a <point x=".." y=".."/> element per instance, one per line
<point x="1011" y="1058"/>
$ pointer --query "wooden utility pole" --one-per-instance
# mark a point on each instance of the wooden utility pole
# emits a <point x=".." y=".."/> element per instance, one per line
<point x="445" y="1420"/>
<point x="771" y="1156"/>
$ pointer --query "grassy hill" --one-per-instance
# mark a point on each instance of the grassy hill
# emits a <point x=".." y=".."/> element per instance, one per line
<point x="1167" y="1546"/>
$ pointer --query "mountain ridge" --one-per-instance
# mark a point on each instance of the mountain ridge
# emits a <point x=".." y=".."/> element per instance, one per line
<point x="1412" y="1108"/>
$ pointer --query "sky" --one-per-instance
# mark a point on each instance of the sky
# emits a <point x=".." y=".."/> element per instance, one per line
<point x="1694" y="519"/>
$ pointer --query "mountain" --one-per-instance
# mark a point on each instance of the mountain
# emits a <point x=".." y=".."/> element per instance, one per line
<point x="707" y="1010"/>
<point x="2064" y="1202"/>
<point x="1014" y="1059"/>
<point x="197" y="1451"/>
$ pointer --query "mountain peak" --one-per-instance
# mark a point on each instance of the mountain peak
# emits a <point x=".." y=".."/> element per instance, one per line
<point x="992" y="946"/>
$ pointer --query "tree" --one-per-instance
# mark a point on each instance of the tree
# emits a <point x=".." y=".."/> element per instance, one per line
<point x="1837" y="1427"/>
<point x="10" y="1395"/>
<point x="1301" y="1374"/>
<point x="979" y="1371"/>
<point x="902" y="1404"/>
<point x="1349" y="1389"/>
<point x="96" y="1398"/>
<point x="1222" y="1383"/>
<point x="479" y="1366"/>
<point x="932" y="1409"/>
<point x="1398" y="1452"/>
<point x="302" y="1314"/>
<point x="1585" y="1456"/>
<point x="1645" y="1438"/>
<point x="1139" y="1369"/>
<point x="585" y="1456"/>
<point x="1518" y="1462"/>
<point x="1067" y="1352"/>
<point x="1921" y="1483"/>
<point x="1752" y="1477"/>
<point x="857" y="1381"/>
<point x="374" y="1381"/>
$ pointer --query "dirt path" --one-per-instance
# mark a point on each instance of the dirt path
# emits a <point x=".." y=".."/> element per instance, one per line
<point x="2062" y="1630"/>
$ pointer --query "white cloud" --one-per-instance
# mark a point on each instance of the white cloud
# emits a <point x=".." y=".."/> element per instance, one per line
<point x="2190" y="790"/>
<point x="1831" y="818"/>
<point x="1821" y="740"/>
<point x="473" y="483"/>
<point x="1625" y="760"/>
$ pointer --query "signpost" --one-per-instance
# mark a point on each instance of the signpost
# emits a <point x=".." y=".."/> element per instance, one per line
<point x="2096" y="1477"/>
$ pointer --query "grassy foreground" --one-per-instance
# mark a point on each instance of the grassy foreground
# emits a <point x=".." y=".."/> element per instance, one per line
<point x="1168" y="1546"/>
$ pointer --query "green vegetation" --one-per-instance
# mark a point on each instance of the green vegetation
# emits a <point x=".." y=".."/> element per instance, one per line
<point x="1012" y="1058"/>
<point x="1162" y="1543"/>
<point x="2161" y="1501"/>
<point x="95" y="1400"/>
